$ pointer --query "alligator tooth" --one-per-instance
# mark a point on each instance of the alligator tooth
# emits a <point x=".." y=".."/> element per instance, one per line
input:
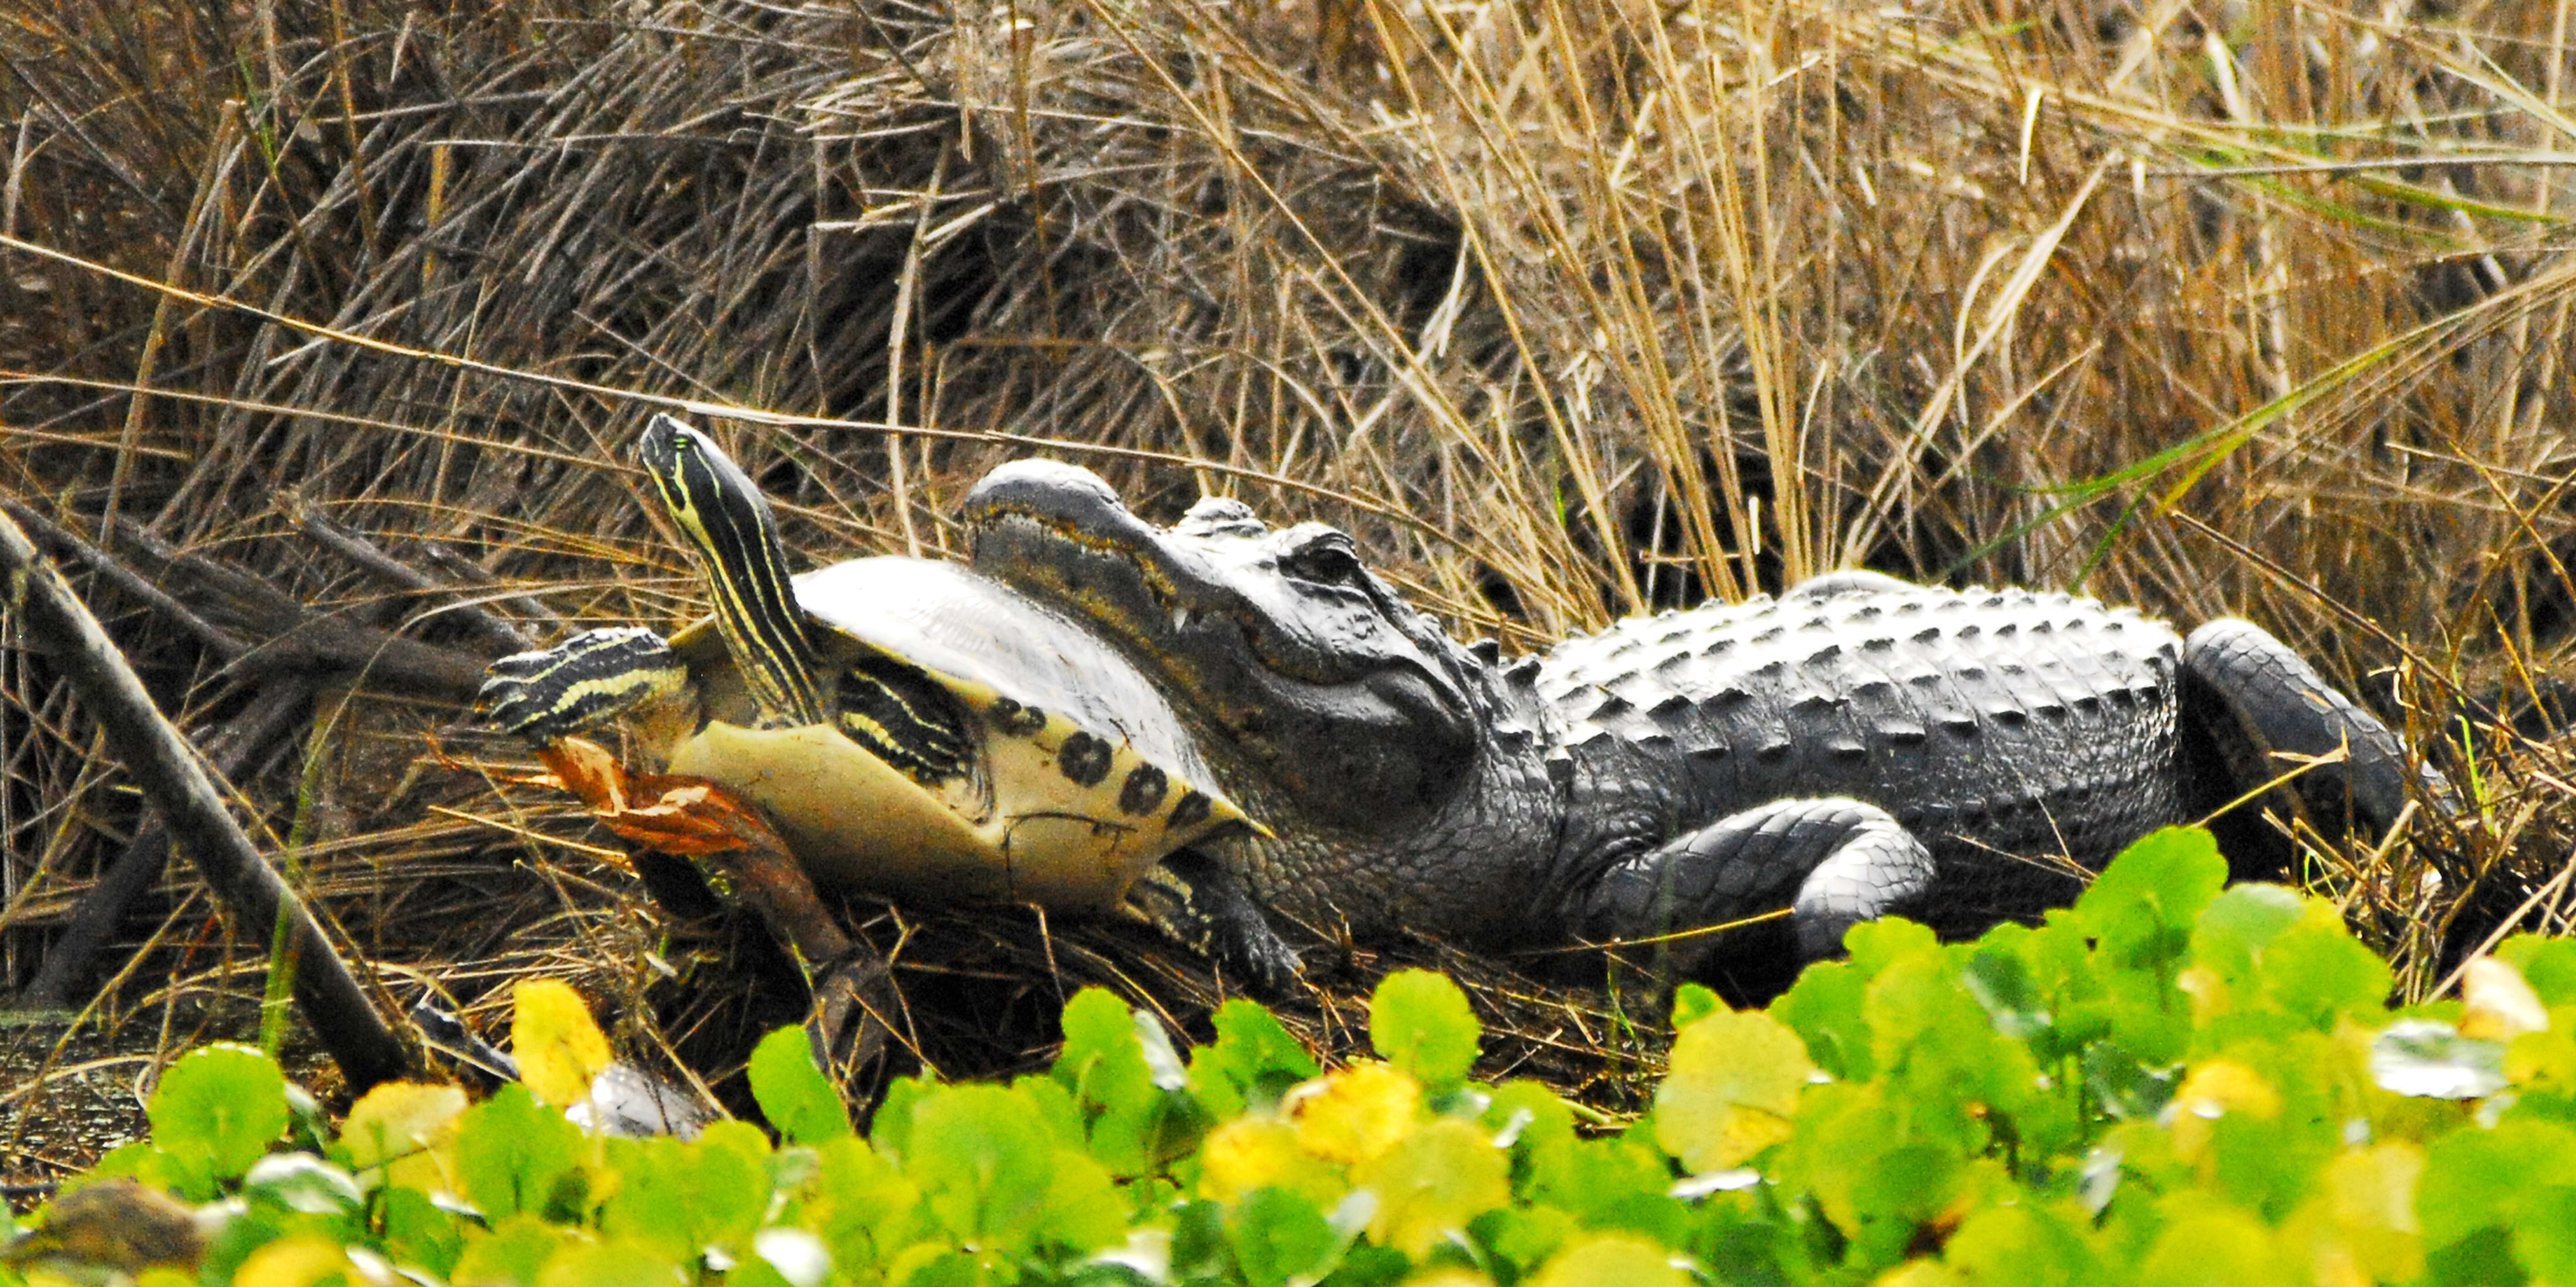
<point x="1180" y="620"/>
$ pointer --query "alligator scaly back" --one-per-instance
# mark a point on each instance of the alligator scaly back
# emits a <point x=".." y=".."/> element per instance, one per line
<point x="2008" y="720"/>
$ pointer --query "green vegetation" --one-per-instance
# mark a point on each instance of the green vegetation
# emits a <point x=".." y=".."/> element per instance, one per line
<point x="2168" y="1083"/>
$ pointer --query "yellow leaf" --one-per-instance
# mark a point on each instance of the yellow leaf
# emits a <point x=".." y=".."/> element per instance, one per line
<point x="1357" y="1113"/>
<point x="1447" y="1174"/>
<point x="1449" y="1276"/>
<point x="1919" y="1273"/>
<point x="2370" y="1198"/>
<point x="2497" y="1004"/>
<point x="398" y="1125"/>
<point x="559" y="1049"/>
<point x="2214" y="1090"/>
<point x="1613" y="1260"/>
<point x="301" y="1261"/>
<point x="1732" y="1088"/>
<point x="1261" y="1153"/>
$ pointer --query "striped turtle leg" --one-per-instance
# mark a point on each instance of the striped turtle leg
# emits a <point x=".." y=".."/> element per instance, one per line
<point x="582" y="682"/>
<point x="1200" y="904"/>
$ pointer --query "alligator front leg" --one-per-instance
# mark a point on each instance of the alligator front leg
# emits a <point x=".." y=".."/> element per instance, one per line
<point x="1834" y="861"/>
<point x="2252" y="697"/>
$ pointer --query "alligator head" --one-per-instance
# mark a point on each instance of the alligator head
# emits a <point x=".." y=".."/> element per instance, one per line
<point x="1357" y="710"/>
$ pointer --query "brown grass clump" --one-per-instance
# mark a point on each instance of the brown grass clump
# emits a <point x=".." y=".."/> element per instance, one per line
<point x="1569" y="308"/>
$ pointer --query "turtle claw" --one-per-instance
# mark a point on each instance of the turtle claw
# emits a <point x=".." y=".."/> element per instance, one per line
<point x="582" y="682"/>
<point x="1201" y="904"/>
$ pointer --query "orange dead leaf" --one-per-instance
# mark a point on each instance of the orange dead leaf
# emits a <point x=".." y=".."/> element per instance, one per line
<point x="689" y="817"/>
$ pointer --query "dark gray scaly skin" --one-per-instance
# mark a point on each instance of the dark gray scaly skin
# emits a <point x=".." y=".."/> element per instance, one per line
<point x="1856" y="747"/>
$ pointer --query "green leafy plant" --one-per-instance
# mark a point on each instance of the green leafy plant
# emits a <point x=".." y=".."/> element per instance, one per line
<point x="2170" y="1082"/>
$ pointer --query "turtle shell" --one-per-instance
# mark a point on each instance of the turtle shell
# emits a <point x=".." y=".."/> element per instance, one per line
<point x="1081" y="776"/>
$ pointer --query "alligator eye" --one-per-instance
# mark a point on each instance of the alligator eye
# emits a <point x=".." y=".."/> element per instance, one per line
<point x="1325" y="563"/>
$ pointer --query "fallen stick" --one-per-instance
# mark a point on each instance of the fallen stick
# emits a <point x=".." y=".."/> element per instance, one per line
<point x="163" y="766"/>
<point x="275" y="710"/>
<point x="385" y="567"/>
<point x="288" y="638"/>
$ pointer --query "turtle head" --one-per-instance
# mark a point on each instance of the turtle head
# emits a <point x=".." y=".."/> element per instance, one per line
<point x="727" y="524"/>
<point x="1359" y="708"/>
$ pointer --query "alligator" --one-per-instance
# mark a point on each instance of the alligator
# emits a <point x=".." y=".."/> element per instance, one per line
<point x="1855" y="747"/>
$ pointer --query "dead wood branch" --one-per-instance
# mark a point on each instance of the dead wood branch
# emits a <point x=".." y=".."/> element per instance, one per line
<point x="161" y="763"/>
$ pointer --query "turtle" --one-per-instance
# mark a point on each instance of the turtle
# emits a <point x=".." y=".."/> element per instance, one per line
<point x="909" y="726"/>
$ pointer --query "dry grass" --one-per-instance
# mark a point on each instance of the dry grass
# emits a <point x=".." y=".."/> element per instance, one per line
<point x="1568" y="307"/>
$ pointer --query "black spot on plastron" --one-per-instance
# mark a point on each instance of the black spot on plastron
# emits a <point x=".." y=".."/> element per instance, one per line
<point x="1144" y="790"/>
<point x="1015" y="719"/>
<point x="1084" y="759"/>
<point x="1190" y="812"/>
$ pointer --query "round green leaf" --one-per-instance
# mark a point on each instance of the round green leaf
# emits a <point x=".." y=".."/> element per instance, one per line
<point x="1613" y="1260"/>
<point x="1420" y="1022"/>
<point x="221" y="1107"/>
<point x="1279" y="1235"/>
<point x="793" y="1093"/>
<point x="1733" y="1085"/>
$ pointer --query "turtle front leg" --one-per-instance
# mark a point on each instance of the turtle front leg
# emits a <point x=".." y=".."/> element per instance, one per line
<point x="583" y="682"/>
<point x="1835" y="861"/>
<point x="2251" y="696"/>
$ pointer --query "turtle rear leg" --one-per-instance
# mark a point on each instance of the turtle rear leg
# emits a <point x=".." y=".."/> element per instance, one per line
<point x="2246" y="696"/>
<point x="582" y="682"/>
<point x="1836" y="861"/>
<point x="1202" y="904"/>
